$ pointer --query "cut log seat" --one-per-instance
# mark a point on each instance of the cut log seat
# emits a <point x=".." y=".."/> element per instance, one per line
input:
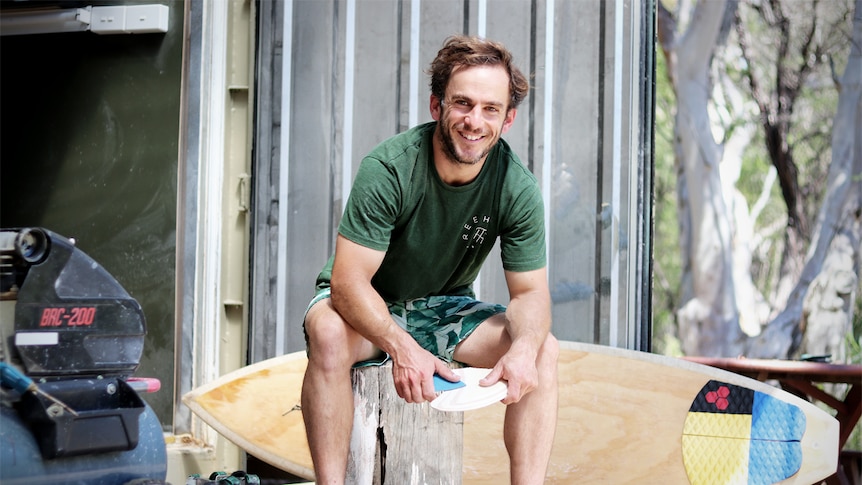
<point x="398" y="443"/>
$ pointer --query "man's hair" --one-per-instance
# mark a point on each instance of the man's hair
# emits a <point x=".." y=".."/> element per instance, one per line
<point x="463" y="51"/>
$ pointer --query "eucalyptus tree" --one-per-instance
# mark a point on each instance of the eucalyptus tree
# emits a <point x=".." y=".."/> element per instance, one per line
<point x="748" y="73"/>
<point x="818" y="311"/>
<point x="708" y="322"/>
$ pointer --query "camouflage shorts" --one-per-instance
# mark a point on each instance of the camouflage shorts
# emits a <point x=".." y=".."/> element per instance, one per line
<point x="437" y="323"/>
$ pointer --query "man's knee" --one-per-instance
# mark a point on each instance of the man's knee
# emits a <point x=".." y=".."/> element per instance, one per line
<point x="326" y="333"/>
<point x="331" y="341"/>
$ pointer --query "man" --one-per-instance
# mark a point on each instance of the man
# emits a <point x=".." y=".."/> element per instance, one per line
<point x="425" y="210"/>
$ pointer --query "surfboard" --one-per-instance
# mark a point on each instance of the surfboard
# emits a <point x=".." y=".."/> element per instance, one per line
<point x="624" y="417"/>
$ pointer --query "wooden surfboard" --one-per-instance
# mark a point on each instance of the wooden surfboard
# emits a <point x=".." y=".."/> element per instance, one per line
<point x="624" y="417"/>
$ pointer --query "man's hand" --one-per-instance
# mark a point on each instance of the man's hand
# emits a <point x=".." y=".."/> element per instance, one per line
<point x="413" y="374"/>
<point x="528" y="320"/>
<point x="520" y="373"/>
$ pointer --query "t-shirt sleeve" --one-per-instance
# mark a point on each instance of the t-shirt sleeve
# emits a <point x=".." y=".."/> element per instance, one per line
<point x="522" y="242"/>
<point x="372" y="206"/>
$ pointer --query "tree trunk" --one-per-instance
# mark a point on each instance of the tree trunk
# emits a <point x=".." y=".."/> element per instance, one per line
<point x="832" y="267"/>
<point x="776" y="108"/>
<point x="708" y="319"/>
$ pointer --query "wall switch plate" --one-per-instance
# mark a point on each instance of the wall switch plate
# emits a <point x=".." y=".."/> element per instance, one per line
<point x="146" y="18"/>
<point x="108" y="20"/>
<point x="129" y="19"/>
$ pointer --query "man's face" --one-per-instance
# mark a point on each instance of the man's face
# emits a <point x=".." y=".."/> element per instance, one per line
<point x="474" y="113"/>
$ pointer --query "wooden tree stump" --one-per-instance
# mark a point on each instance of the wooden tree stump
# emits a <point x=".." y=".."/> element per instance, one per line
<point x="398" y="443"/>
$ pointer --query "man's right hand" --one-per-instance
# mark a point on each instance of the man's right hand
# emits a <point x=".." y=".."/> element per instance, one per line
<point x="413" y="374"/>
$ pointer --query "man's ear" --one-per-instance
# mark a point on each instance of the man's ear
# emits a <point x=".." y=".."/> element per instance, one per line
<point x="510" y="118"/>
<point x="436" y="108"/>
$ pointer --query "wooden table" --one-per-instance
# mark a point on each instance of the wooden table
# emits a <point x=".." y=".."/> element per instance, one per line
<point x="800" y="377"/>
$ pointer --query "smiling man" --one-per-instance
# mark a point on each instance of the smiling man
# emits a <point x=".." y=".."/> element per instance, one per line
<point x="425" y="210"/>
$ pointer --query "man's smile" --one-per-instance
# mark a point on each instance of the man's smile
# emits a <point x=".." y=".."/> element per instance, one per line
<point x="470" y="137"/>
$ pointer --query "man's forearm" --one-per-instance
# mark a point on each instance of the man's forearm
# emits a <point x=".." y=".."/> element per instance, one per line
<point x="528" y="314"/>
<point x="357" y="301"/>
<point x="529" y="321"/>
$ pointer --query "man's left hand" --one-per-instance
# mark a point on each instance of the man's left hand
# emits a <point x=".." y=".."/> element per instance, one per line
<point x="520" y="373"/>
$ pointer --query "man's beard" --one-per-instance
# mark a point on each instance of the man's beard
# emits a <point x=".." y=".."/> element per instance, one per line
<point x="452" y="153"/>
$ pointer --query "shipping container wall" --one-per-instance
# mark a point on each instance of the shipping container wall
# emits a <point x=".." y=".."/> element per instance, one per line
<point x="335" y="78"/>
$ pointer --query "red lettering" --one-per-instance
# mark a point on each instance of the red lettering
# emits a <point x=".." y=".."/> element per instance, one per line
<point x="82" y="316"/>
<point x="45" y="322"/>
<point x="52" y="317"/>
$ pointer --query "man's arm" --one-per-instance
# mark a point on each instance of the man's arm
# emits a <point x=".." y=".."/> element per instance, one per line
<point x="528" y="320"/>
<point x="363" y="308"/>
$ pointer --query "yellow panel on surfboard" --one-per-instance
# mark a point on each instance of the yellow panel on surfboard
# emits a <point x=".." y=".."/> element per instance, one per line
<point x="624" y="417"/>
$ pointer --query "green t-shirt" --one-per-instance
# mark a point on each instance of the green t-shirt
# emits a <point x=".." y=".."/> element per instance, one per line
<point x="436" y="236"/>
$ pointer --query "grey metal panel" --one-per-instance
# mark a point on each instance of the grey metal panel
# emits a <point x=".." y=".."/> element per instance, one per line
<point x="615" y="216"/>
<point x="375" y="90"/>
<point x="266" y="167"/>
<point x="509" y="22"/>
<point x="576" y="160"/>
<point x="388" y="93"/>
<point x="439" y="20"/>
<point x="402" y="67"/>
<point x="310" y="158"/>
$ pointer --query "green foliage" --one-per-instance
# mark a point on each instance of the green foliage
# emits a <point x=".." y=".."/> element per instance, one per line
<point x="667" y="266"/>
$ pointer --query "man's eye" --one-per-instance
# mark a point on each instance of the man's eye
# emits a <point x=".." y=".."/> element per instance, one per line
<point x="491" y="109"/>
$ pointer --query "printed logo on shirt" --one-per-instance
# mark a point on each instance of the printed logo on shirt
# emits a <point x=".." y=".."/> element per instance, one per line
<point x="475" y="230"/>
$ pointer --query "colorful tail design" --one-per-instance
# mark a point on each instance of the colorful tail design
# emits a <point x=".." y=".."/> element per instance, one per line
<point x="734" y="435"/>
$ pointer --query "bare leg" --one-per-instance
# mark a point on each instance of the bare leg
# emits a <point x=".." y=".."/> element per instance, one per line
<point x="327" y="394"/>
<point x="530" y="424"/>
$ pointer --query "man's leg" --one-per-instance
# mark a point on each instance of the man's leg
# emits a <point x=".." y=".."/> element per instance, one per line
<point x="327" y="393"/>
<point x="530" y="423"/>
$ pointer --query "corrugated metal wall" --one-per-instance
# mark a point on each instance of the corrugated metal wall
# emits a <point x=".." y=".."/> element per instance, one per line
<point x="337" y="77"/>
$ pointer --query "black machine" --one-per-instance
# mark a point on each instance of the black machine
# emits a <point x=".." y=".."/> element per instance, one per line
<point x="70" y="340"/>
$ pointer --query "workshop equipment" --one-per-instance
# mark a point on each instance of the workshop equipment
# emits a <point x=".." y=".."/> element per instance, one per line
<point x="70" y="339"/>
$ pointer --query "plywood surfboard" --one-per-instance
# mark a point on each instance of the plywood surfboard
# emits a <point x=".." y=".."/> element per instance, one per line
<point x="624" y="417"/>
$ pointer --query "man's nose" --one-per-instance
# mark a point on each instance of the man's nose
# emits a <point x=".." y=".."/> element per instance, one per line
<point x="474" y="115"/>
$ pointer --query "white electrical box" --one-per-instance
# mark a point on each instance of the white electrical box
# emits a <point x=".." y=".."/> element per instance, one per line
<point x="129" y="19"/>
